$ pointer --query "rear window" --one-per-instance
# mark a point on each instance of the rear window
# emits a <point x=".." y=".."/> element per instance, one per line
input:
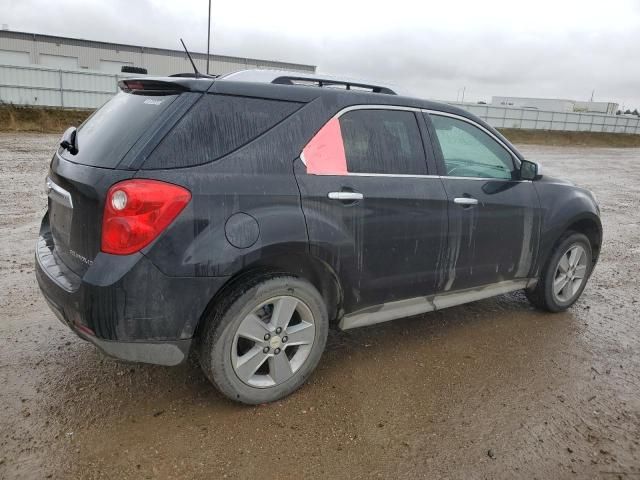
<point x="216" y="126"/>
<point x="107" y="135"/>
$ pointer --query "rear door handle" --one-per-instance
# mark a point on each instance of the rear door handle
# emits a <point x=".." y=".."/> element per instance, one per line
<point x="465" y="201"/>
<point x="348" y="196"/>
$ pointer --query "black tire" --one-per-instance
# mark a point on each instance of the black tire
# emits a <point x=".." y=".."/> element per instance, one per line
<point x="542" y="295"/>
<point x="218" y="338"/>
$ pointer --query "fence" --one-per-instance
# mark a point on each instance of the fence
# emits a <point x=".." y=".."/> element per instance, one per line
<point x="509" y="117"/>
<point x="31" y="85"/>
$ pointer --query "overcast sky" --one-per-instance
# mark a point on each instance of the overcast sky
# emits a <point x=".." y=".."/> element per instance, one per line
<point x="551" y="48"/>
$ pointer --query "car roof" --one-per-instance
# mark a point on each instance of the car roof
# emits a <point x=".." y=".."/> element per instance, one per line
<point x="259" y="82"/>
<point x="271" y="84"/>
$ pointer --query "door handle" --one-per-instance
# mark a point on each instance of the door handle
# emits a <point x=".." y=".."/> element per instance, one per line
<point x="348" y="196"/>
<point x="465" y="201"/>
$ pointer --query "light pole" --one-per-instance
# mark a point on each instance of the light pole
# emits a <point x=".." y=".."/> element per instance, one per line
<point x="208" y="36"/>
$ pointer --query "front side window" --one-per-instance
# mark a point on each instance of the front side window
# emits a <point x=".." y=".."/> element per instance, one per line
<point x="368" y="141"/>
<point x="468" y="151"/>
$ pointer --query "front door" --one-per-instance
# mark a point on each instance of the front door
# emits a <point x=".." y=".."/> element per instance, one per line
<point x="373" y="212"/>
<point x="494" y="217"/>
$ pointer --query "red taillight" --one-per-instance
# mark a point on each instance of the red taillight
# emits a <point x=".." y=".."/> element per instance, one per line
<point x="136" y="211"/>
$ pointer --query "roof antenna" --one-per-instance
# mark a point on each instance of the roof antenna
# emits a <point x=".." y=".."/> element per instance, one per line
<point x="190" y="59"/>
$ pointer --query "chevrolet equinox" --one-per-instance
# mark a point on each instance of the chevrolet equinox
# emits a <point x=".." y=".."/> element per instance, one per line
<point x="239" y="217"/>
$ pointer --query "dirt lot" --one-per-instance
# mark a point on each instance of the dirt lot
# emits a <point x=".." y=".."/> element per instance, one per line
<point x="493" y="389"/>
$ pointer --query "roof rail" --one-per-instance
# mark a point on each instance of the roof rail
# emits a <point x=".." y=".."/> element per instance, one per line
<point x="300" y="78"/>
<point x="327" y="82"/>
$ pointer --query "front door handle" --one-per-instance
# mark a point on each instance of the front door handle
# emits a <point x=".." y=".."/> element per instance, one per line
<point x="465" y="201"/>
<point x="345" y="196"/>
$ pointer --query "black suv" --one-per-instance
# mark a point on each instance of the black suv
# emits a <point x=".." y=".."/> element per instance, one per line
<point x="241" y="216"/>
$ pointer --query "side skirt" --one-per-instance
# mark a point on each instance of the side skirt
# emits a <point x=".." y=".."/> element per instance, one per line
<point x="418" y="305"/>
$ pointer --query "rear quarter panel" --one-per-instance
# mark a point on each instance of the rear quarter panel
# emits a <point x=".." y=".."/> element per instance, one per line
<point x="255" y="181"/>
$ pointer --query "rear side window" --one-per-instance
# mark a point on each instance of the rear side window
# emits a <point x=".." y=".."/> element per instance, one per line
<point x="107" y="135"/>
<point x="216" y="126"/>
<point x="367" y="141"/>
<point x="383" y="141"/>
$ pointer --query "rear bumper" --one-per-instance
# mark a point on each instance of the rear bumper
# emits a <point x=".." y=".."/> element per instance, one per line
<point x="125" y="305"/>
<point x="168" y="353"/>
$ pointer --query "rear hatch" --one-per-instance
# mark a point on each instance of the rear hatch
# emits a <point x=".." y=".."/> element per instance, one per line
<point x="109" y="146"/>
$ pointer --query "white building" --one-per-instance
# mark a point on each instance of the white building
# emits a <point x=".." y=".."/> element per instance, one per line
<point x="19" y="48"/>
<point x="72" y="73"/>
<point x="556" y="105"/>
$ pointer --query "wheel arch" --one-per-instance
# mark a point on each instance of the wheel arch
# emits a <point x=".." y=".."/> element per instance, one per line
<point x="305" y="266"/>
<point x="590" y="226"/>
<point x="586" y="223"/>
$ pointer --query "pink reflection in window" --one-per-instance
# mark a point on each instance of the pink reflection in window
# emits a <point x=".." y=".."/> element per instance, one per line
<point x="324" y="154"/>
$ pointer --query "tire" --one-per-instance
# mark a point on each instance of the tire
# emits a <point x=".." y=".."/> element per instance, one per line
<point x="245" y="323"/>
<point x="543" y="295"/>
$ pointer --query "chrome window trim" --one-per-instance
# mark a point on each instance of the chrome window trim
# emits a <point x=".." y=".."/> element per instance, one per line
<point x="485" y="179"/>
<point x="390" y="175"/>
<point x="352" y="108"/>
<point x="401" y="175"/>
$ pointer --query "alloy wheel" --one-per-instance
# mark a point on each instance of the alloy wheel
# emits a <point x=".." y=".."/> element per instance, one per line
<point x="570" y="273"/>
<point x="273" y="342"/>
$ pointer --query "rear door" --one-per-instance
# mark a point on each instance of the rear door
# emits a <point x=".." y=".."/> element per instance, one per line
<point x="374" y="210"/>
<point x="494" y="217"/>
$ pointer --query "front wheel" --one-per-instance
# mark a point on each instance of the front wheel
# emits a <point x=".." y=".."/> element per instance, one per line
<point x="565" y="275"/>
<point x="265" y="339"/>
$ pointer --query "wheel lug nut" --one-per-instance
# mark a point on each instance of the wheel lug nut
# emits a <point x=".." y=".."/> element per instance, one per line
<point x="267" y="336"/>
<point x="265" y="350"/>
<point x="278" y="330"/>
<point x="284" y="339"/>
<point x="276" y="351"/>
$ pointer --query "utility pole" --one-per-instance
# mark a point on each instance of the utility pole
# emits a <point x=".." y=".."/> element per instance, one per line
<point x="463" y="90"/>
<point x="592" y="94"/>
<point x="208" y="36"/>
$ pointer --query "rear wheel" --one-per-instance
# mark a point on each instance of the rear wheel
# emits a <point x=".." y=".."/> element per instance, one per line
<point x="564" y="277"/>
<point x="265" y="339"/>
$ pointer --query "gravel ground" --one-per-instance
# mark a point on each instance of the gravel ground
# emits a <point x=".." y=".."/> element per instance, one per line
<point x="493" y="389"/>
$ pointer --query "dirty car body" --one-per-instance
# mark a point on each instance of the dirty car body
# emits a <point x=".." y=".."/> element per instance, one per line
<point x="387" y="206"/>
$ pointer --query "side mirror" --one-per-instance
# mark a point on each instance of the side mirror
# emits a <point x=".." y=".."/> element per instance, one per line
<point x="529" y="170"/>
<point x="68" y="140"/>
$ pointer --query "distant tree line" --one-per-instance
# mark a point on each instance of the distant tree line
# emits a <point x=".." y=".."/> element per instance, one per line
<point x="629" y="112"/>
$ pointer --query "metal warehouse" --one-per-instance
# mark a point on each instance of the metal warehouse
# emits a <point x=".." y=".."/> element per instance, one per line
<point x="556" y="104"/>
<point x="69" y="72"/>
<point x="19" y="48"/>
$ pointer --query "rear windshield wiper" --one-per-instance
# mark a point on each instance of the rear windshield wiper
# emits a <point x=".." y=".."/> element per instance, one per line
<point x="68" y="140"/>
